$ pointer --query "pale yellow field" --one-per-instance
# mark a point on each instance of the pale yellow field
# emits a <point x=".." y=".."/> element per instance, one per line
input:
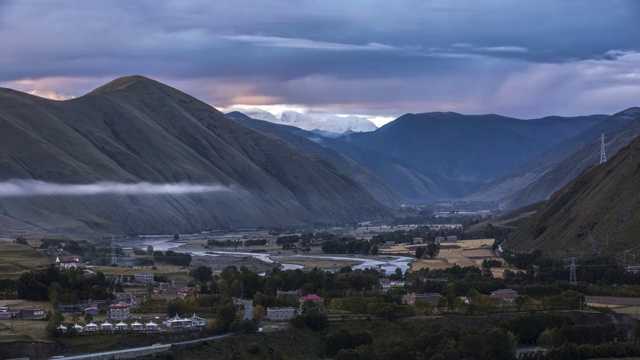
<point x="162" y="269"/>
<point x="16" y="259"/>
<point x="462" y="253"/>
<point x="11" y="330"/>
<point x="310" y="263"/>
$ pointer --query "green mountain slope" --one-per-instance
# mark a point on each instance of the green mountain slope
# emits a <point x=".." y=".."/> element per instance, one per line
<point x="135" y="129"/>
<point x="599" y="211"/>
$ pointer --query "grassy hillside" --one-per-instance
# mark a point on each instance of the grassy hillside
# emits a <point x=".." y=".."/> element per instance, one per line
<point x="135" y="129"/>
<point x="599" y="211"/>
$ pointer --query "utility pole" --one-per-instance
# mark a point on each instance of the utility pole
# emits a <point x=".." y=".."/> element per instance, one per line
<point x="114" y="257"/>
<point x="573" y="280"/>
<point x="603" y="153"/>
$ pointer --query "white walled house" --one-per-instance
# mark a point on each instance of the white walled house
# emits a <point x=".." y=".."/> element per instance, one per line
<point x="280" y="314"/>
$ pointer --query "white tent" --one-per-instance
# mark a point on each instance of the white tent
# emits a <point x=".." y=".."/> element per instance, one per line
<point x="62" y="328"/>
<point x="106" y="326"/>
<point x="122" y="326"/>
<point x="151" y="326"/>
<point x="78" y="328"/>
<point x="136" y="326"/>
<point x="91" y="327"/>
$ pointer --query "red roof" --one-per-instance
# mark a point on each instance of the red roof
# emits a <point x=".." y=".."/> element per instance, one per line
<point x="384" y="281"/>
<point x="71" y="259"/>
<point x="185" y="290"/>
<point x="311" y="297"/>
<point x="120" y="305"/>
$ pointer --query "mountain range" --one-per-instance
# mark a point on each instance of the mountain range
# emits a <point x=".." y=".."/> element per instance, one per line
<point x="538" y="179"/>
<point x="135" y="129"/>
<point x="325" y="124"/>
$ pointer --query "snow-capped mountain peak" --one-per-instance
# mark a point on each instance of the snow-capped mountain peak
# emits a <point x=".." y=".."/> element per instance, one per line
<point x="315" y="121"/>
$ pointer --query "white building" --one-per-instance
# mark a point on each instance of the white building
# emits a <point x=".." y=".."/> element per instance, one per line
<point x="280" y="314"/>
<point x="120" y="311"/>
<point x="197" y="321"/>
<point x="144" y="278"/>
<point x="68" y="262"/>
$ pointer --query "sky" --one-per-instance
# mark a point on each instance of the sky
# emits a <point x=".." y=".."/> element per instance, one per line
<point x="380" y="59"/>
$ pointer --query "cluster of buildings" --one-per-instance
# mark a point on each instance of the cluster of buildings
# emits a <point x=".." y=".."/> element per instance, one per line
<point x="193" y="322"/>
<point x="287" y="313"/>
<point x="109" y="327"/>
<point x="6" y="313"/>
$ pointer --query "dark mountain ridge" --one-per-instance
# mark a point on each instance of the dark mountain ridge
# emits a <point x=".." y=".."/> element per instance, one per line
<point x="465" y="147"/>
<point x="540" y="178"/>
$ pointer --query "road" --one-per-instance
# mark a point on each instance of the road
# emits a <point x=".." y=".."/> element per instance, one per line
<point x="248" y="309"/>
<point x="139" y="351"/>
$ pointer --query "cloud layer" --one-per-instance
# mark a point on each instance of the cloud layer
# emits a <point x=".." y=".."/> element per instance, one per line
<point x="27" y="188"/>
<point x="367" y="57"/>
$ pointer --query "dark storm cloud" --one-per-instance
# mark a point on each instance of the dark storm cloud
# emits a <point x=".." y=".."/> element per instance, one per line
<point x="388" y="57"/>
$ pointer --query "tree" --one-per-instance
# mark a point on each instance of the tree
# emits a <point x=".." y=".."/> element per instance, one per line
<point x="419" y="253"/>
<point x="150" y="251"/>
<point x="374" y="250"/>
<point x="432" y="250"/>
<point x="259" y="311"/>
<point x="21" y="240"/>
<point x="202" y="273"/>
<point x="176" y="237"/>
<point x="224" y="317"/>
<point x="88" y="318"/>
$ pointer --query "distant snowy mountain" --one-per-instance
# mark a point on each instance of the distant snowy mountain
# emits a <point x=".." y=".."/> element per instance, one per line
<point x="323" y="123"/>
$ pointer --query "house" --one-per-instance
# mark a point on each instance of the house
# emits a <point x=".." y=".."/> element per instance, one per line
<point x="78" y="328"/>
<point x="439" y="239"/>
<point x="280" y="313"/>
<point x="452" y="238"/>
<point x="106" y="326"/>
<point x="92" y="310"/>
<point x="178" y="322"/>
<point x="389" y="243"/>
<point x="385" y="284"/>
<point x="290" y="293"/>
<point x="633" y="268"/>
<point x="62" y="328"/>
<point x="144" y="278"/>
<point x="31" y="314"/>
<point x="197" y="321"/>
<point x="91" y="327"/>
<point x="504" y="294"/>
<point x="120" y="311"/>
<point x="418" y="240"/>
<point x="121" y="326"/>
<point x="318" y="301"/>
<point x="430" y="298"/>
<point x="68" y="262"/>
<point x="6" y="315"/>
<point x="124" y="297"/>
<point x="185" y="291"/>
<point x="151" y="326"/>
<point x="179" y="283"/>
